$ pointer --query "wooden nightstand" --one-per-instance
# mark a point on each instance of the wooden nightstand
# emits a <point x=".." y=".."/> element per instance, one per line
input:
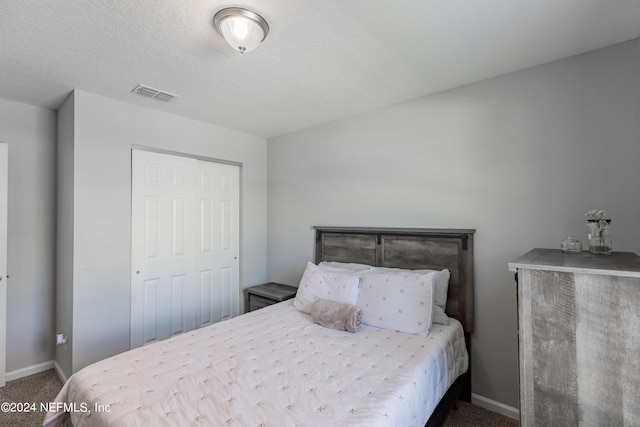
<point x="263" y="295"/>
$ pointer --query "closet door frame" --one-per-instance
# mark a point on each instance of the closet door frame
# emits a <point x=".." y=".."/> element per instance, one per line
<point x="4" y="202"/>
<point x="235" y="310"/>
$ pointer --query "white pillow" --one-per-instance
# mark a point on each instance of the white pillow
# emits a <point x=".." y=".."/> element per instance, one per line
<point x="400" y="302"/>
<point x="333" y="286"/>
<point x="440" y="290"/>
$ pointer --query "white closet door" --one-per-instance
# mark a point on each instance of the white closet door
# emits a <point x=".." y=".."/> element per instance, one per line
<point x="4" y="191"/>
<point x="185" y="239"/>
<point x="219" y="241"/>
<point x="163" y="286"/>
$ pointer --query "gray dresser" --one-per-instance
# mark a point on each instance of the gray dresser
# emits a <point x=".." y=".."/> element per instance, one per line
<point x="579" y="338"/>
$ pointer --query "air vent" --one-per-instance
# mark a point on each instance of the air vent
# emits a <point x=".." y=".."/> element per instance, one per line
<point x="150" y="92"/>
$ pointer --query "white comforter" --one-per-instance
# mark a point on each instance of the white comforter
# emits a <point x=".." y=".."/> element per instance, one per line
<point x="270" y="367"/>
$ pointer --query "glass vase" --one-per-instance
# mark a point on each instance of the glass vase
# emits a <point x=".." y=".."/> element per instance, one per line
<point x="600" y="241"/>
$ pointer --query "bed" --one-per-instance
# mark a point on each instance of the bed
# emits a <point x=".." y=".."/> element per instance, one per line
<point x="275" y="366"/>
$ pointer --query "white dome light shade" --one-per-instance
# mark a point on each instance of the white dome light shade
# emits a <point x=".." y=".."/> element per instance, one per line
<point x="242" y="29"/>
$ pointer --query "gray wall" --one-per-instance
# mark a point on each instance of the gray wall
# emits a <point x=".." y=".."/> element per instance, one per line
<point x="65" y="233"/>
<point x="103" y="132"/>
<point x="30" y="133"/>
<point x="520" y="158"/>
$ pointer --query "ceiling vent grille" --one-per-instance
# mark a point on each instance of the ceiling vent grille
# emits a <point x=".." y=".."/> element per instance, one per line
<point x="150" y="92"/>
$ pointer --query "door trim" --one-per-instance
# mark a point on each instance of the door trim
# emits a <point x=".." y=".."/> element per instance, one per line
<point x="181" y="154"/>
<point x="4" y="201"/>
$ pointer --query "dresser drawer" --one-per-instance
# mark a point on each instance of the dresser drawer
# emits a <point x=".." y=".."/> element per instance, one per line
<point x="256" y="302"/>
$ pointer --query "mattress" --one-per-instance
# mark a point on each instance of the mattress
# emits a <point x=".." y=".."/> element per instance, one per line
<point x="272" y="366"/>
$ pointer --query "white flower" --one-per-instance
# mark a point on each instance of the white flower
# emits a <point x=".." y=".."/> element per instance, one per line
<point x="596" y="215"/>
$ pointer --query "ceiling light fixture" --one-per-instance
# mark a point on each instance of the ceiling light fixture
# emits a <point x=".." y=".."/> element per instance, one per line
<point x="242" y="29"/>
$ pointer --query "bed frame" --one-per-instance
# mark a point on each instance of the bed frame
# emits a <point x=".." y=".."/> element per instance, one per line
<point x="414" y="248"/>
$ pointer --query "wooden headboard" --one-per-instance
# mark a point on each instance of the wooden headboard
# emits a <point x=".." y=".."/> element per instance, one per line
<point x="411" y="248"/>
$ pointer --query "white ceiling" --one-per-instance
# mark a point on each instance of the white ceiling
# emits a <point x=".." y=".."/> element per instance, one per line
<point x="323" y="60"/>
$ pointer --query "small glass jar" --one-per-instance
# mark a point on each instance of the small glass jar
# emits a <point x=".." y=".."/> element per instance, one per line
<point x="571" y="245"/>
<point x="600" y="241"/>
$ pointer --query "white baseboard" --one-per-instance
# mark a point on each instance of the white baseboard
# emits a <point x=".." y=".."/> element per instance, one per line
<point x="492" y="405"/>
<point x="29" y="370"/>
<point x="60" y="372"/>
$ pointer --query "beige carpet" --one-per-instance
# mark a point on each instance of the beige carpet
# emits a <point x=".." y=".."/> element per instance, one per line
<point x="44" y="387"/>
<point x="469" y="415"/>
<point x="35" y="389"/>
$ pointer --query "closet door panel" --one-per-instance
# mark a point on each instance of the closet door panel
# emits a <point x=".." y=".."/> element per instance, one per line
<point x="163" y="282"/>
<point x="219" y="236"/>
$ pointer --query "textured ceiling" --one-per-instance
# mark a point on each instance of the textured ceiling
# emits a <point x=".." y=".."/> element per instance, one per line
<point x="323" y="60"/>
